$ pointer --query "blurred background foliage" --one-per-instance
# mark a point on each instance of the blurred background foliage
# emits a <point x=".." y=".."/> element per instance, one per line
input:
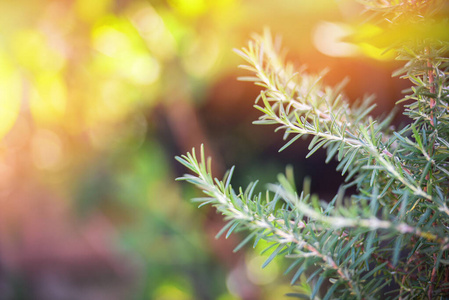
<point x="97" y="97"/>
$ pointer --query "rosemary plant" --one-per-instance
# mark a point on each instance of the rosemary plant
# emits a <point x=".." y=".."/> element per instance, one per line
<point x="391" y="238"/>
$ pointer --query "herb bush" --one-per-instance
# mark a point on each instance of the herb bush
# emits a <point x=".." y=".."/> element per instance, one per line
<point x="391" y="237"/>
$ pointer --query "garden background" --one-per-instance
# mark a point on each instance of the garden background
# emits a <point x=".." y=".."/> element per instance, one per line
<point x="96" y="99"/>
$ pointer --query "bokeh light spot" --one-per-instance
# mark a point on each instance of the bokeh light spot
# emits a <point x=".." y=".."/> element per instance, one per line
<point x="258" y="275"/>
<point x="10" y="95"/>
<point x="190" y="8"/>
<point x="144" y="70"/>
<point x="33" y="52"/>
<point x="114" y="102"/>
<point x="46" y="150"/>
<point x="151" y="28"/>
<point x="327" y="39"/>
<point x="173" y="290"/>
<point x="90" y="11"/>
<point x="48" y="99"/>
<point x="201" y="56"/>
<point x="110" y="41"/>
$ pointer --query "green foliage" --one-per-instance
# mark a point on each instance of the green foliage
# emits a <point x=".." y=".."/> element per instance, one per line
<point x="392" y="235"/>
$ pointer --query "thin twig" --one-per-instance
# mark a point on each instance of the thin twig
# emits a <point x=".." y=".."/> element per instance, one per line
<point x="432" y="86"/>
<point x="433" y="277"/>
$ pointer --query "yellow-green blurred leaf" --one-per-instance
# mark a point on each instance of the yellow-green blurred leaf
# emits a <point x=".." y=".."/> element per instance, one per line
<point x="405" y="32"/>
<point x="189" y="8"/>
<point x="48" y="97"/>
<point x="32" y="52"/>
<point x="90" y="11"/>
